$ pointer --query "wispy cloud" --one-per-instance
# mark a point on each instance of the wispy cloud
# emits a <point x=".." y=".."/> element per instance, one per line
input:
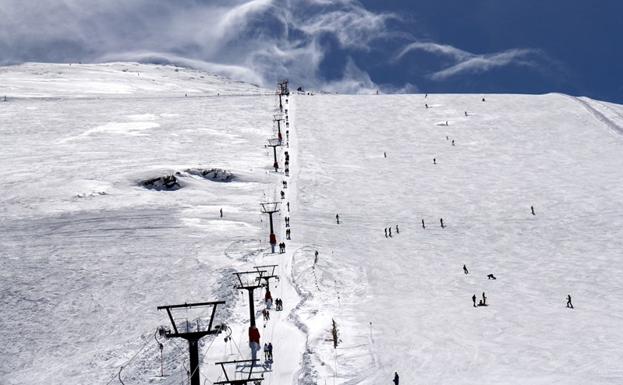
<point x="470" y="63"/>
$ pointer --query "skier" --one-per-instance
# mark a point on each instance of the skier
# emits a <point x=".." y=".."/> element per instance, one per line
<point x="532" y="210"/>
<point x="434" y="161"/>
<point x="283" y="195"/>
<point x="285" y="184"/>
<point x="465" y="113"/>
<point x="268" y="299"/>
<point x="287" y="134"/>
<point x="384" y="154"/>
<point x="287" y="171"/>
<point x="447" y="138"/>
<point x="397" y="230"/>
<point x="337" y="218"/>
<point x="288" y="204"/>
<point x="288" y="234"/>
<point x="254" y="342"/>
<point x="474" y="299"/>
<point x="423" y="225"/>
<point x="426" y="105"/>
<point x="266" y="355"/>
<point x="390" y="231"/>
<point x="221" y="211"/>
<point x="453" y="142"/>
<point x="484" y="299"/>
<point x="465" y="269"/>
<point x="386" y="232"/>
<point x="396" y="378"/>
<point x="270" y="351"/>
<point x="491" y="276"/>
<point x="442" y="225"/>
<point x="483" y="98"/>
<point x="569" y="304"/>
<point x="287" y="221"/>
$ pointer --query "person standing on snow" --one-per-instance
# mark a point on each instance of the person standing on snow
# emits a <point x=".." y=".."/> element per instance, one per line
<point x="254" y="342"/>
<point x="532" y="210"/>
<point x="465" y="269"/>
<point x="268" y="299"/>
<point x="337" y="218"/>
<point x="569" y="304"/>
<point x="396" y="378"/>
<point x="474" y="299"/>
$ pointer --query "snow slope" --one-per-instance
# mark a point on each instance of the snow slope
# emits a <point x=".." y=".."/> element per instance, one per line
<point x="403" y="303"/>
<point x="86" y="252"/>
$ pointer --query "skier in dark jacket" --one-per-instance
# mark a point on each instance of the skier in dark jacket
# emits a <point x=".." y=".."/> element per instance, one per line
<point x="396" y="378"/>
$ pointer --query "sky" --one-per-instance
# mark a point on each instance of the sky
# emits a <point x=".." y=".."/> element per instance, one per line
<point x="446" y="46"/>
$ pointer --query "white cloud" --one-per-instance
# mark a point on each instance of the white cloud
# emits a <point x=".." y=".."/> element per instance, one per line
<point x="470" y="63"/>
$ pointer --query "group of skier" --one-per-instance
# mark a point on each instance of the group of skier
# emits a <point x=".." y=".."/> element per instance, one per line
<point x="388" y="231"/>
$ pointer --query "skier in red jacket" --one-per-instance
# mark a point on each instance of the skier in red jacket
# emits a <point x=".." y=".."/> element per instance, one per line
<point x="254" y="342"/>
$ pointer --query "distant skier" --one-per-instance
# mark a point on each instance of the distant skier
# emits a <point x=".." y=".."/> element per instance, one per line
<point x="426" y="105"/>
<point x="270" y="351"/>
<point x="285" y="184"/>
<point x="465" y="113"/>
<point x="483" y="98"/>
<point x="389" y="229"/>
<point x="337" y="218"/>
<point x="287" y="134"/>
<point x="442" y="225"/>
<point x="288" y="234"/>
<point x="384" y="154"/>
<point x="484" y="299"/>
<point x="288" y="204"/>
<point x="423" y="225"/>
<point x="453" y="142"/>
<point x="532" y="210"/>
<point x="434" y="160"/>
<point x="221" y="212"/>
<point x="266" y="355"/>
<point x="447" y="138"/>
<point x="491" y="276"/>
<point x="465" y="269"/>
<point x="386" y="232"/>
<point x="396" y="378"/>
<point x="287" y="171"/>
<point x="283" y="195"/>
<point x="425" y="96"/>
<point x="397" y="230"/>
<point x="474" y="299"/>
<point x="287" y="221"/>
<point x="569" y="304"/>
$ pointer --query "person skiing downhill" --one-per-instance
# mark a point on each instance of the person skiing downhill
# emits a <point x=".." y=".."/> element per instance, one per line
<point x="337" y="218"/>
<point x="423" y="225"/>
<point x="441" y="221"/>
<point x="386" y="232"/>
<point x="569" y="304"/>
<point x="532" y="210"/>
<point x="465" y="269"/>
<point x="390" y="231"/>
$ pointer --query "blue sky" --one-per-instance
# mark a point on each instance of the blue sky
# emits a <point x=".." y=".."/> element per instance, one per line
<point x="527" y="46"/>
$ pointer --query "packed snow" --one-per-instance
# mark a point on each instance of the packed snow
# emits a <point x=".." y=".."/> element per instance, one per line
<point x="87" y="252"/>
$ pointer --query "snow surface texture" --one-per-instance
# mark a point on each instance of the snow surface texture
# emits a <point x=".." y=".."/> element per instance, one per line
<point x="87" y="253"/>
<point x="403" y="303"/>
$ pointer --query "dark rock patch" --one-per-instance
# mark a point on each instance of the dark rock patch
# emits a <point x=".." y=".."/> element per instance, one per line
<point x="213" y="174"/>
<point x="162" y="183"/>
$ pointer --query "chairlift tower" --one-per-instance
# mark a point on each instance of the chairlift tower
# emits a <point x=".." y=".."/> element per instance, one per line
<point x="250" y="286"/>
<point x="270" y="274"/>
<point x="241" y="381"/>
<point x="274" y="143"/>
<point x="193" y="337"/>
<point x="270" y="208"/>
<point x="278" y="118"/>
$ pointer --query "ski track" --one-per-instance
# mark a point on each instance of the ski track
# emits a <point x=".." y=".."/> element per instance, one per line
<point x="600" y="116"/>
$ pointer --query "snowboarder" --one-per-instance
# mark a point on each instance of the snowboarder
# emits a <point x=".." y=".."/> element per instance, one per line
<point x="423" y="225"/>
<point x="386" y="232"/>
<point x="491" y="276"/>
<point x="569" y="304"/>
<point x="434" y="161"/>
<point x="396" y="378"/>
<point x="268" y="299"/>
<point x="474" y="299"/>
<point x="465" y="269"/>
<point x="441" y="221"/>
<point x="254" y="342"/>
<point x="484" y="299"/>
<point x="337" y="218"/>
<point x="532" y="210"/>
<point x="221" y="212"/>
<point x="397" y="230"/>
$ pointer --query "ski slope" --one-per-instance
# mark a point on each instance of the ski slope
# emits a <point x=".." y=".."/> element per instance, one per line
<point x="403" y="303"/>
<point x="87" y="253"/>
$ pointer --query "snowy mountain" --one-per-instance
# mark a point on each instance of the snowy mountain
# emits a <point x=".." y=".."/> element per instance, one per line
<point x="115" y="175"/>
